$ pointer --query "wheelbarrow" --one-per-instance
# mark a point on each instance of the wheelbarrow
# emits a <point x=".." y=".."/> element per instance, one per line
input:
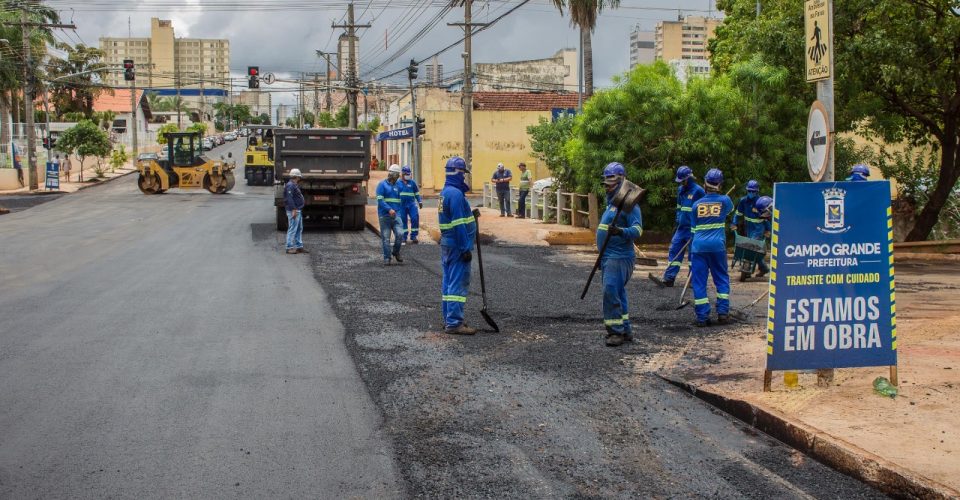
<point x="747" y="254"/>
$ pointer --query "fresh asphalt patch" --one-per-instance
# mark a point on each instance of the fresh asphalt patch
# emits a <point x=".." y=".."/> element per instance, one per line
<point x="542" y="409"/>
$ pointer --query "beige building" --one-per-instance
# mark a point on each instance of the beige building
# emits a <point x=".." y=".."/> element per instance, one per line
<point x="165" y="62"/>
<point x="684" y="39"/>
<point x="554" y="74"/>
<point x="259" y="102"/>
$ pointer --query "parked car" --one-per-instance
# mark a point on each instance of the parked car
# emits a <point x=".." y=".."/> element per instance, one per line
<point x="207" y="144"/>
<point x="218" y="139"/>
<point x="230" y="137"/>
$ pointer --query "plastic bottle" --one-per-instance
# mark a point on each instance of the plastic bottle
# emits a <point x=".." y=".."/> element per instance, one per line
<point x="791" y="380"/>
<point x="883" y="387"/>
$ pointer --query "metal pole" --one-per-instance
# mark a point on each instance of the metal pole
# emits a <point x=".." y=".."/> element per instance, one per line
<point x="28" y="89"/>
<point x="467" y="85"/>
<point x="316" y="100"/>
<point x="134" y="125"/>
<point x="329" y="97"/>
<point x="415" y="161"/>
<point x="825" y="95"/>
<point x="352" y="77"/>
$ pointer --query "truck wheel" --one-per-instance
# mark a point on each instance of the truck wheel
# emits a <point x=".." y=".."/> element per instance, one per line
<point x="346" y="218"/>
<point x="149" y="184"/>
<point x="359" y="217"/>
<point x="281" y="219"/>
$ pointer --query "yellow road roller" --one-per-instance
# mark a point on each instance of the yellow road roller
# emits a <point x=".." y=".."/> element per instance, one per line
<point x="184" y="167"/>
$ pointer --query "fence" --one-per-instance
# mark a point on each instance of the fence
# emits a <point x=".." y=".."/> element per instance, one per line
<point x="571" y="209"/>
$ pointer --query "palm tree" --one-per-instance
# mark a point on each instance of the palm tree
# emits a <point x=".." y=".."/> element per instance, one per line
<point x="77" y="92"/>
<point x="583" y="15"/>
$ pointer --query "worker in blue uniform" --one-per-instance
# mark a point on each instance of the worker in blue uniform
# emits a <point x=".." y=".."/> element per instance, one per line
<point x="618" y="259"/>
<point x="389" y="207"/>
<point x="747" y="221"/>
<point x="687" y="193"/>
<point x="859" y="173"/>
<point x="410" y="206"/>
<point x="458" y="230"/>
<point x="708" y="252"/>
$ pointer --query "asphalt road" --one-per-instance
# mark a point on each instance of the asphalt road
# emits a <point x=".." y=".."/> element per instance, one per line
<point x="164" y="346"/>
<point x="544" y="409"/>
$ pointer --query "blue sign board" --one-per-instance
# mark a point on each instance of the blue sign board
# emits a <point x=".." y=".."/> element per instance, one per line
<point x="832" y="302"/>
<point x="556" y="113"/>
<point x="53" y="175"/>
<point x="392" y="135"/>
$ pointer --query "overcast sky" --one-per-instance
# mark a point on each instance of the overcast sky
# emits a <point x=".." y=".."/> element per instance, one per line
<point x="283" y="42"/>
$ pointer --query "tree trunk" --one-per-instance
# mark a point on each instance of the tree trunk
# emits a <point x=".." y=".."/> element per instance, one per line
<point x="5" y="121"/>
<point x="949" y="173"/>
<point x="587" y="62"/>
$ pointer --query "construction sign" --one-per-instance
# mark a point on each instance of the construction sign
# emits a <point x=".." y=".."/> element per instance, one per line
<point x="818" y="39"/>
<point x="832" y="297"/>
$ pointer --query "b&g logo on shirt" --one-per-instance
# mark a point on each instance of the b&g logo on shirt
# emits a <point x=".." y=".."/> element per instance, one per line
<point x="709" y="209"/>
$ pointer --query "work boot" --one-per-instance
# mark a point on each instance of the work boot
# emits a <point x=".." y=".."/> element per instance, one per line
<point x="386" y="262"/>
<point x="761" y="273"/>
<point x="703" y="323"/>
<point x="723" y="319"/>
<point x="291" y="250"/>
<point x="414" y="242"/>
<point x="302" y="250"/>
<point x="660" y="282"/>
<point x="615" y="339"/>
<point x="396" y="255"/>
<point x="463" y="329"/>
<point x="628" y="337"/>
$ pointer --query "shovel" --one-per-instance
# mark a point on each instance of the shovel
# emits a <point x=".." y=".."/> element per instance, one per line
<point x="483" y="286"/>
<point x="627" y="196"/>
<point x="740" y="314"/>
<point x="683" y="301"/>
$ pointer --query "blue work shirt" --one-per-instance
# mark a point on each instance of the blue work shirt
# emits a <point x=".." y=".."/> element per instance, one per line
<point x="292" y="197"/>
<point x="458" y="227"/>
<point x="754" y="225"/>
<point x="621" y="245"/>
<point x="388" y="198"/>
<point x="709" y="216"/>
<point x="409" y="192"/>
<point x="497" y="174"/>
<point x="686" y="196"/>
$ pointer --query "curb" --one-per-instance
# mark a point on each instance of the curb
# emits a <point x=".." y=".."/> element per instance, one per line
<point x="100" y="183"/>
<point x="829" y="450"/>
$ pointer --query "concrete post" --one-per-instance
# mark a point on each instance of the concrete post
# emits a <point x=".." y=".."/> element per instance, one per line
<point x="561" y="206"/>
<point x="534" y="201"/>
<point x="593" y="218"/>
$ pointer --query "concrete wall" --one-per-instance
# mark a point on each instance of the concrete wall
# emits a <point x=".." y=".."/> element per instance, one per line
<point x="555" y="73"/>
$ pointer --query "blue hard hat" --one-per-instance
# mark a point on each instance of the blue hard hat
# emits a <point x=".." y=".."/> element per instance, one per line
<point x="714" y="178"/>
<point x="860" y="169"/>
<point x="456" y="163"/>
<point x="763" y="205"/>
<point x="614" y="168"/>
<point x="684" y="173"/>
<point x="406" y="169"/>
<point x="753" y="186"/>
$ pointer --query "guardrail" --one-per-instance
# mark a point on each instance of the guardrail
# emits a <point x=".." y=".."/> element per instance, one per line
<point x="571" y="209"/>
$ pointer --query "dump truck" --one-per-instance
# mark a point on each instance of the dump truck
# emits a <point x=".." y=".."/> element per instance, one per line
<point x="335" y="165"/>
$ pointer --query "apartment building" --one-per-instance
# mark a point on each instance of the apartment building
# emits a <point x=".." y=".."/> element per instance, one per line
<point x="642" y="47"/>
<point x="685" y="38"/>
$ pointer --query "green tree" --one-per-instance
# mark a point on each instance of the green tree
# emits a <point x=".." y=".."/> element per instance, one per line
<point x="164" y="130"/>
<point x="70" y="90"/>
<point x="548" y="140"/>
<point x="583" y="15"/>
<point x="896" y="73"/>
<point x="198" y="127"/>
<point x="118" y="158"/>
<point x="85" y="139"/>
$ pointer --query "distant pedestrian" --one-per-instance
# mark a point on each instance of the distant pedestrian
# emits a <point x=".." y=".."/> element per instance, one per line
<point x="411" y="205"/>
<point x="389" y="206"/>
<point x="67" y="166"/>
<point x="501" y="179"/>
<point x="293" y="201"/>
<point x="525" y="179"/>
<point x="458" y="232"/>
<point x="17" y="165"/>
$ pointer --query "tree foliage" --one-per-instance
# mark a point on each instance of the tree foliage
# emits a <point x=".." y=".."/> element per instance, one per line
<point x="547" y="140"/>
<point x="164" y="130"/>
<point x="73" y="92"/>
<point x="85" y="139"/>
<point x="897" y="73"/>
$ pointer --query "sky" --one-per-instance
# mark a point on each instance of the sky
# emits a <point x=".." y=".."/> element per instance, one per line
<point x="281" y="36"/>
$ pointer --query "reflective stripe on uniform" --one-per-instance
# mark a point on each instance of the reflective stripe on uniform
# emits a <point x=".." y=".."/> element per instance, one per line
<point x="686" y="209"/>
<point x="613" y="321"/>
<point x="389" y="200"/>
<point x="405" y="193"/>
<point x="755" y="221"/>
<point x="453" y="298"/>
<point x="723" y="295"/>
<point x="707" y="227"/>
<point x="626" y="317"/>
<point x="701" y="302"/>
<point x="458" y="222"/>
<point x="639" y="229"/>
<point x="675" y="264"/>
<point x="602" y="227"/>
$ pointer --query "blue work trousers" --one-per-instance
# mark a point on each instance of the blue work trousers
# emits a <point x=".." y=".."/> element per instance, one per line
<point x="455" y="285"/>
<point x="714" y="264"/>
<point x="678" y="248"/>
<point x="503" y="196"/>
<point x="616" y="274"/>
<point x="390" y="226"/>
<point x="410" y="215"/>
<point x="294" y="230"/>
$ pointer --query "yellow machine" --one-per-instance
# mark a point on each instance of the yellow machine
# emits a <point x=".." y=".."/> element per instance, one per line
<point x="258" y="161"/>
<point x="184" y="168"/>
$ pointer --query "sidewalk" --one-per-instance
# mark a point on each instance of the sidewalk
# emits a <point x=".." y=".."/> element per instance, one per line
<point x="914" y="438"/>
<point x="89" y="176"/>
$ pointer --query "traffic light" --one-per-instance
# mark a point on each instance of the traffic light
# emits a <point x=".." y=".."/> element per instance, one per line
<point x="420" y="127"/>
<point x="128" y="70"/>
<point x="412" y="69"/>
<point x="253" y="74"/>
<point x="49" y="142"/>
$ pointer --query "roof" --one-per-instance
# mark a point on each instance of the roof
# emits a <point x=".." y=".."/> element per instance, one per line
<point x="119" y="102"/>
<point x="523" y="101"/>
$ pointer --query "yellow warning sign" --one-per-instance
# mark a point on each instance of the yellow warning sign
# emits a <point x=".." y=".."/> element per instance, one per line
<point x="819" y="41"/>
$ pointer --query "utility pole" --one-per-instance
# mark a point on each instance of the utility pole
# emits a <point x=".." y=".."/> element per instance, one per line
<point x="302" y="107"/>
<point x="134" y="125"/>
<point x="316" y="100"/>
<point x="352" y="81"/>
<point x="467" y="25"/>
<point x="28" y="88"/>
<point x="326" y="55"/>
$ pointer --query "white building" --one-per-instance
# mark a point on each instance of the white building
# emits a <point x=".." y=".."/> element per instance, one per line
<point x="642" y="47"/>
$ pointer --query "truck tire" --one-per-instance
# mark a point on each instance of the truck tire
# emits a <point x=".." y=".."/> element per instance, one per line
<point x="359" y="217"/>
<point x="281" y="219"/>
<point x="346" y="218"/>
